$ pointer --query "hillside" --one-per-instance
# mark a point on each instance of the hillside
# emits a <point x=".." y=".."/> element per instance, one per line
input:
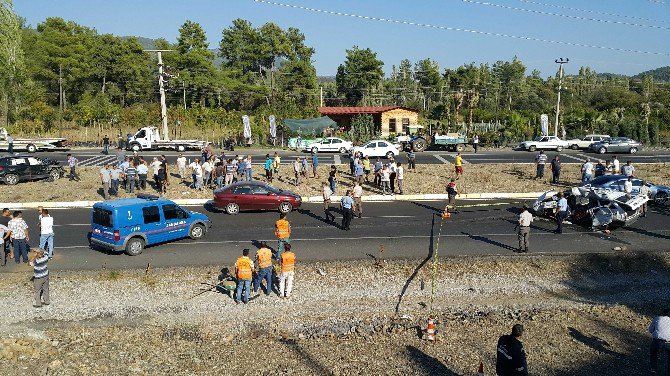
<point x="658" y="74"/>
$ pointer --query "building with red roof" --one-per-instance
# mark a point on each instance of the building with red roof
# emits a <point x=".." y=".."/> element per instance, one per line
<point x="389" y="119"/>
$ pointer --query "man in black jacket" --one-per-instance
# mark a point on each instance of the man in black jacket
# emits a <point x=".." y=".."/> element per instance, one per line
<point x="511" y="357"/>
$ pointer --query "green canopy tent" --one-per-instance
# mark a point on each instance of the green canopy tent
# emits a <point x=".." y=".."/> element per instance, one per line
<point x="313" y="127"/>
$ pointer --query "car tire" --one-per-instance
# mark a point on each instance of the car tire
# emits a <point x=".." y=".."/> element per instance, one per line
<point x="343" y="150"/>
<point x="389" y="155"/>
<point x="602" y="150"/>
<point x="559" y="149"/>
<point x="54" y="175"/>
<point x="459" y="147"/>
<point x="181" y="148"/>
<point x="574" y="147"/>
<point x="11" y="179"/>
<point x="232" y="208"/>
<point x="315" y="150"/>
<point x="135" y="246"/>
<point x="31" y="148"/>
<point x="197" y="232"/>
<point x="136" y="147"/>
<point x="633" y="150"/>
<point x="532" y="148"/>
<point x="661" y="198"/>
<point x="285" y="207"/>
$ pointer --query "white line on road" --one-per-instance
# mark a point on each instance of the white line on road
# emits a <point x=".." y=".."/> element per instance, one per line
<point x="441" y="159"/>
<point x="337" y="160"/>
<point x="571" y="157"/>
<point x="591" y="158"/>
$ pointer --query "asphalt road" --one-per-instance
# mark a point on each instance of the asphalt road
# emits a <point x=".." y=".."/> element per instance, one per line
<point x="403" y="229"/>
<point x="91" y="157"/>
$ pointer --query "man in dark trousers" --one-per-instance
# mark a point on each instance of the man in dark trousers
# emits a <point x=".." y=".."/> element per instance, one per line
<point x="105" y="145"/>
<point x="511" y="357"/>
<point x="555" y="170"/>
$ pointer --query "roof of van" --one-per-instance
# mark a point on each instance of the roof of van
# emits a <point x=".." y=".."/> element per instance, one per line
<point x="130" y="202"/>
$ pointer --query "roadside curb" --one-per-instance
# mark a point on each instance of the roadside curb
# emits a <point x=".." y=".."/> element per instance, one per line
<point x="313" y="199"/>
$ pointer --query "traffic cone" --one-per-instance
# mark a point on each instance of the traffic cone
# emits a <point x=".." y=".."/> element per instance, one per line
<point x="480" y="371"/>
<point x="446" y="214"/>
<point x="430" y="330"/>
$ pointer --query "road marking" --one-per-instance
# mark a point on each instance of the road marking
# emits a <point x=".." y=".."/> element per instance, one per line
<point x="439" y="158"/>
<point x="591" y="158"/>
<point x="336" y="159"/>
<point x="99" y="161"/>
<point x="72" y="224"/>
<point x="650" y="156"/>
<point x="571" y="157"/>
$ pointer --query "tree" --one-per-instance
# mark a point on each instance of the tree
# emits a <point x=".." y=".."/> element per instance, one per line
<point x="359" y="74"/>
<point x="363" y="129"/>
<point x="195" y="63"/>
<point x="12" y="64"/>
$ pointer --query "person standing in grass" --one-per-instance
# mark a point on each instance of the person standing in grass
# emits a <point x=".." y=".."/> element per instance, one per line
<point x="458" y="165"/>
<point x="106" y="180"/>
<point x="400" y="176"/>
<point x="72" y="163"/>
<point x="555" y="170"/>
<point x="540" y="161"/>
<point x="268" y="168"/>
<point x="315" y="165"/>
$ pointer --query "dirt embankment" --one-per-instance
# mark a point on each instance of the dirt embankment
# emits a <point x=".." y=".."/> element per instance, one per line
<point x="427" y="179"/>
<point x="584" y="315"/>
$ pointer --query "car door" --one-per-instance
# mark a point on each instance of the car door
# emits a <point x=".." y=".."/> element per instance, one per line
<point x="324" y="145"/>
<point x="175" y="221"/>
<point x="153" y="227"/>
<point x="614" y="146"/>
<point x="370" y="149"/>
<point x="38" y="170"/>
<point x="263" y="198"/>
<point x="243" y="197"/>
<point x="20" y="167"/>
<point x="383" y="148"/>
<point x="335" y="144"/>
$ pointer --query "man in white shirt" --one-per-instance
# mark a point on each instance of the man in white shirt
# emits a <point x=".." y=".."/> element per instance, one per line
<point x="523" y="233"/>
<point x="587" y="171"/>
<point x="181" y="166"/>
<point x="47" y="233"/>
<point x="105" y="179"/>
<point x="615" y="163"/>
<point x="207" y="167"/>
<point x="198" y="175"/>
<point x="142" y="171"/>
<point x="660" y="334"/>
<point x="358" y="204"/>
<point x="191" y="168"/>
<point x="155" y="166"/>
<point x="400" y="176"/>
<point x="326" y="202"/>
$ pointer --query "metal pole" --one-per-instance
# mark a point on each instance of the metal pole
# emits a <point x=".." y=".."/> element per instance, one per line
<point x="321" y="96"/>
<point x="560" y="63"/>
<point x="161" y="86"/>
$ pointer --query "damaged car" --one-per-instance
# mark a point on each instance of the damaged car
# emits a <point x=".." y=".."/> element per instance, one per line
<point x="596" y="208"/>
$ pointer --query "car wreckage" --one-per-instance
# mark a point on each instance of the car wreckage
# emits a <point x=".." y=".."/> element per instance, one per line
<point x="597" y="208"/>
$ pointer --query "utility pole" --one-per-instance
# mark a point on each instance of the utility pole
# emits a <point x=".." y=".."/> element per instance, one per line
<point x="161" y="87"/>
<point x="560" y="63"/>
<point x="60" y="98"/>
<point x="321" y="97"/>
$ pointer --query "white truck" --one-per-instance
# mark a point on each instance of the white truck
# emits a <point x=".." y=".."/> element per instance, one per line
<point x="32" y="145"/>
<point x="149" y="138"/>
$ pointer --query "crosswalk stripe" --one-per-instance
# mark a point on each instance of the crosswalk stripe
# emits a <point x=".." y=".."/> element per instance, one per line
<point x="441" y="159"/>
<point x="574" y="158"/>
<point x="591" y="157"/>
<point x="336" y="159"/>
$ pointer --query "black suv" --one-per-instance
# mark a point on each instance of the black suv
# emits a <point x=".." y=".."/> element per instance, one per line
<point x="26" y="167"/>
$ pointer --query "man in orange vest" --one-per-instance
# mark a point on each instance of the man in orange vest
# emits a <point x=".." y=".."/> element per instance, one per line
<point x="264" y="262"/>
<point x="287" y="263"/>
<point x="283" y="233"/>
<point x="243" y="271"/>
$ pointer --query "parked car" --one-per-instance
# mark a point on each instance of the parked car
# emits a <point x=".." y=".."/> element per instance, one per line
<point x="132" y="224"/>
<point x="25" y="168"/>
<point x="377" y="148"/>
<point x="616" y="145"/>
<point x="658" y="193"/>
<point x="586" y="142"/>
<point x="254" y="195"/>
<point x="543" y="143"/>
<point x="329" y="144"/>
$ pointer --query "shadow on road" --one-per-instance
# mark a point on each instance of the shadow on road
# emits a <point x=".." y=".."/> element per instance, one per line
<point x="438" y="210"/>
<point x="427" y="364"/>
<point x="489" y="241"/>
<point x="648" y="233"/>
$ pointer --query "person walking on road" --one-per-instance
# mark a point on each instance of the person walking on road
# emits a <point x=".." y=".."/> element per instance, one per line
<point x="660" y="340"/>
<point x="561" y="212"/>
<point x="264" y="264"/>
<point x="347" y="205"/>
<point x="20" y="236"/>
<point x="523" y="232"/>
<point x="106" y="181"/>
<point x="287" y="265"/>
<point x="458" y="165"/>
<point x="511" y="356"/>
<point x="243" y="271"/>
<point x="400" y="177"/>
<point x="72" y="163"/>
<point x="540" y="161"/>
<point x="587" y="171"/>
<point x="5" y="233"/>
<point x="452" y="192"/>
<point x="40" y="262"/>
<point x="276" y="161"/>
<point x="283" y="234"/>
<point x="357" y="196"/>
<point x="105" y="145"/>
<point x="556" y="170"/>
<point x="47" y="233"/>
<point x="10" y="144"/>
<point x="326" y="203"/>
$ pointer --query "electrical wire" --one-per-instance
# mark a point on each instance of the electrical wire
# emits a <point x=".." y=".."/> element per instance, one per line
<point x="592" y="11"/>
<point x="564" y="15"/>
<point x="464" y="30"/>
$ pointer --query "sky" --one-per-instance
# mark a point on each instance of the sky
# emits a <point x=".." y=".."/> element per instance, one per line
<point x="640" y="25"/>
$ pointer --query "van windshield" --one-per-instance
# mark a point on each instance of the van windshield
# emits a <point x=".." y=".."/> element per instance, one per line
<point x="102" y="217"/>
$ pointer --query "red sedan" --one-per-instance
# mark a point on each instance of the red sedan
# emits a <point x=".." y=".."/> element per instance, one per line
<point x="254" y="195"/>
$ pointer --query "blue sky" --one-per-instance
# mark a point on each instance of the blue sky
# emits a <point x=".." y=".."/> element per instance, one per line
<point x="331" y="35"/>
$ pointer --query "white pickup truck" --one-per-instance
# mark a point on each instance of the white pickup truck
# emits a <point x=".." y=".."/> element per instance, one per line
<point x="585" y="142"/>
<point x="32" y="145"/>
<point x="149" y="138"/>
<point x="543" y="143"/>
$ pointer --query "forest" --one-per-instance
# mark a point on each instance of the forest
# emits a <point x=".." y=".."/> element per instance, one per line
<point x="63" y="78"/>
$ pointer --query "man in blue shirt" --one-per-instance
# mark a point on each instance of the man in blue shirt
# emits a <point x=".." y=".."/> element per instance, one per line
<point x="315" y="164"/>
<point x="561" y="212"/>
<point x="359" y="172"/>
<point x="268" y="168"/>
<point x="347" y="204"/>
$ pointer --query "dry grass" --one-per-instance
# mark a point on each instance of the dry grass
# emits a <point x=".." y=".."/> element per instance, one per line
<point x="427" y="179"/>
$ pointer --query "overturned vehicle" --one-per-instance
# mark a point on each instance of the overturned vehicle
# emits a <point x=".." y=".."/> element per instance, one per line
<point x="596" y="208"/>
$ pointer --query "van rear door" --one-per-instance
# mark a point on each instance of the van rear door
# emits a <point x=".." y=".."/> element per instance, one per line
<point x="102" y="225"/>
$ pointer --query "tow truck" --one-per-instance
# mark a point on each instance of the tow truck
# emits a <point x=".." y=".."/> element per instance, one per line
<point x="32" y="145"/>
<point x="149" y="138"/>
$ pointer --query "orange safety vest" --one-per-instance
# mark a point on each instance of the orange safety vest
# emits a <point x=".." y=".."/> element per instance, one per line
<point x="283" y="229"/>
<point x="264" y="257"/>
<point x="243" y="266"/>
<point x="287" y="261"/>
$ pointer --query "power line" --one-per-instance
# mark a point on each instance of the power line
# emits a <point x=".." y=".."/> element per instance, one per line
<point x="471" y="31"/>
<point x="592" y="11"/>
<point x="564" y="15"/>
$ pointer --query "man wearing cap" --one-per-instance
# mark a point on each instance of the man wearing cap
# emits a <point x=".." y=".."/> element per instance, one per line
<point x="511" y="357"/>
<point x="523" y="233"/>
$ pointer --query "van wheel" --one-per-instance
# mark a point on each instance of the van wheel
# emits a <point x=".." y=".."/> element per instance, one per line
<point x="232" y="208"/>
<point x="197" y="232"/>
<point x="135" y="246"/>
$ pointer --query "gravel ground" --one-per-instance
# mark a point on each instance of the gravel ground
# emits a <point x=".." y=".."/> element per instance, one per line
<point x="584" y="315"/>
<point x="427" y="179"/>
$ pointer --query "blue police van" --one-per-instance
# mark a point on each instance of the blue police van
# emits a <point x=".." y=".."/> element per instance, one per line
<point x="131" y="224"/>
